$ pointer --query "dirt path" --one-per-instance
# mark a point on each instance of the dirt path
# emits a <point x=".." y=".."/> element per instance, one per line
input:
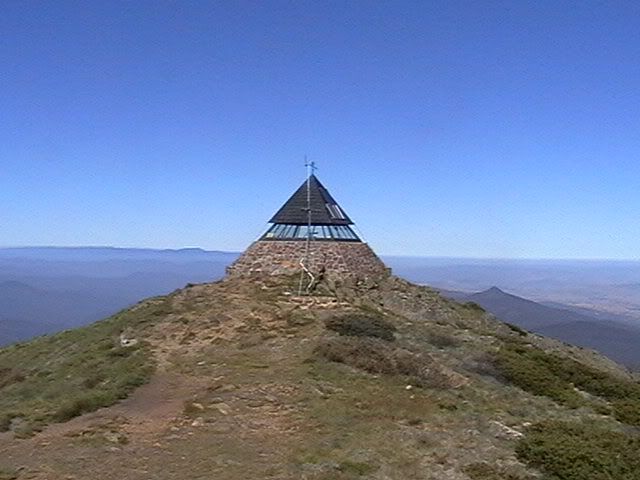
<point x="139" y="420"/>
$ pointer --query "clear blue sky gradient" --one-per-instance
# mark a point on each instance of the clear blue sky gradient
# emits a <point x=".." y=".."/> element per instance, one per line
<point x="452" y="128"/>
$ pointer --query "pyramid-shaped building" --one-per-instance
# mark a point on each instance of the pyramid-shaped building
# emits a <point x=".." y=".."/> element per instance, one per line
<point x="311" y="233"/>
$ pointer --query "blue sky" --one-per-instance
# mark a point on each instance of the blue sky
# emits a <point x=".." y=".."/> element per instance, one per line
<point x="483" y="129"/>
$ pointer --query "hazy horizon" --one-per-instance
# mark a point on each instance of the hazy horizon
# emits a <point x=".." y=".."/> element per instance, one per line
<point x="382" y="254"/>
<point x="46" y="288"/>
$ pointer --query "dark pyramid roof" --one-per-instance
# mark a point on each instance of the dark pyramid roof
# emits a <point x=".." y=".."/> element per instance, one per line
<point x="324" y="209"/>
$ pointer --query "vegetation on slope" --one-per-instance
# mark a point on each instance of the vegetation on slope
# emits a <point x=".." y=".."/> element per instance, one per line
<point x="55" y="378"/>
<point x="361" y="325"/>
<point x="562" y="378"/>
<point x="376" y="382"/>
<point x="580" y="451"/>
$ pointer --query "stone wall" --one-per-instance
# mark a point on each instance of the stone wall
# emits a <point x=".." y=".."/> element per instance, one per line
<point x="336" y="259"/>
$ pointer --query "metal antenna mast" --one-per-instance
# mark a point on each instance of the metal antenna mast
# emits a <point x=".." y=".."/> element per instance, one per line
<point x="311" y="168"/>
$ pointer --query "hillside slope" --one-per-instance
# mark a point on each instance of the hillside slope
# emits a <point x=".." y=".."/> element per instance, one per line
<point x="615" y="339"/>
<point x="242" y="380"/>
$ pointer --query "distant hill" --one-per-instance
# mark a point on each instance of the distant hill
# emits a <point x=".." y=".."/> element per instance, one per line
<point x="522" y="312"/>
<point x="26" y="311"/>
<point x="48" y="289"/>
<point x="617" y="340"/>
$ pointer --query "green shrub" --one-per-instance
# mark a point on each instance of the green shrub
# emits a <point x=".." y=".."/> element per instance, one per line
<point x="529" y="368"/>
<point x="577" y="451"/>
<point x="627" y="411"/>
<point x="83" y="404"/>
<point x="517" y="329"/>
<point x="474" y="306"/>
<point x="361" y="325"/>
<point x="554" y="376"/>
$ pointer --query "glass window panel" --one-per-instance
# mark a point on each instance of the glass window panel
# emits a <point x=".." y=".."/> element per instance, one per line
<point x="331" y="214"/>
<point x="302" y="231"/>
<point x="271" y="232"/>
<point x="348" y="233"/>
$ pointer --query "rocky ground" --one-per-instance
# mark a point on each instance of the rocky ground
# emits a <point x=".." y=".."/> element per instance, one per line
<point x="243" y="390"/>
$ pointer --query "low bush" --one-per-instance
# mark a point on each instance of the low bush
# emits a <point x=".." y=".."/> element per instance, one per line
<point x="8" y="474"/>
<point x="627" y="410"/>
<point x="474" y="306"/>
<point x="83" y="404"/>
<point x="379" y="357"/>
<point x="580" y="451"/>
<point x="368" y="354"/>
<point x="557" y="377"/>
<point x="9" y="376"/>
<point x="484" y="364"/>
<point x="5" y="422"/>
<point x="517" y="329"/>
<point x="529" y="368"/>
<point x="361" y="325"/>
<point x="442" y="340"/>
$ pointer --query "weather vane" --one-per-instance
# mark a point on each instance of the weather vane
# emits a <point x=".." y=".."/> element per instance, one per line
<point x="311" y="166"/>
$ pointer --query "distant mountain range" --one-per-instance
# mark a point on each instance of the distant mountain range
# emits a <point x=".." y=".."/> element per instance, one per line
<point x="608" y="287"/>
<point x="47" y="289"/>
<point x="619" y="341"/>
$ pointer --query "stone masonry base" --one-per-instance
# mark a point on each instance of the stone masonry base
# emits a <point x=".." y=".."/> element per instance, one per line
<point x="334" y="258"/>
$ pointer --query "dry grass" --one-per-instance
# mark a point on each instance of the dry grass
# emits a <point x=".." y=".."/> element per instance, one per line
<point x="362" y="325"/>
<point x="74" y="372"/>
<point x="379" y="357"/>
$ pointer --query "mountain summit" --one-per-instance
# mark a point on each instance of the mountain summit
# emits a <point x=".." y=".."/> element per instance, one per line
<point x="243" y="379"/>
